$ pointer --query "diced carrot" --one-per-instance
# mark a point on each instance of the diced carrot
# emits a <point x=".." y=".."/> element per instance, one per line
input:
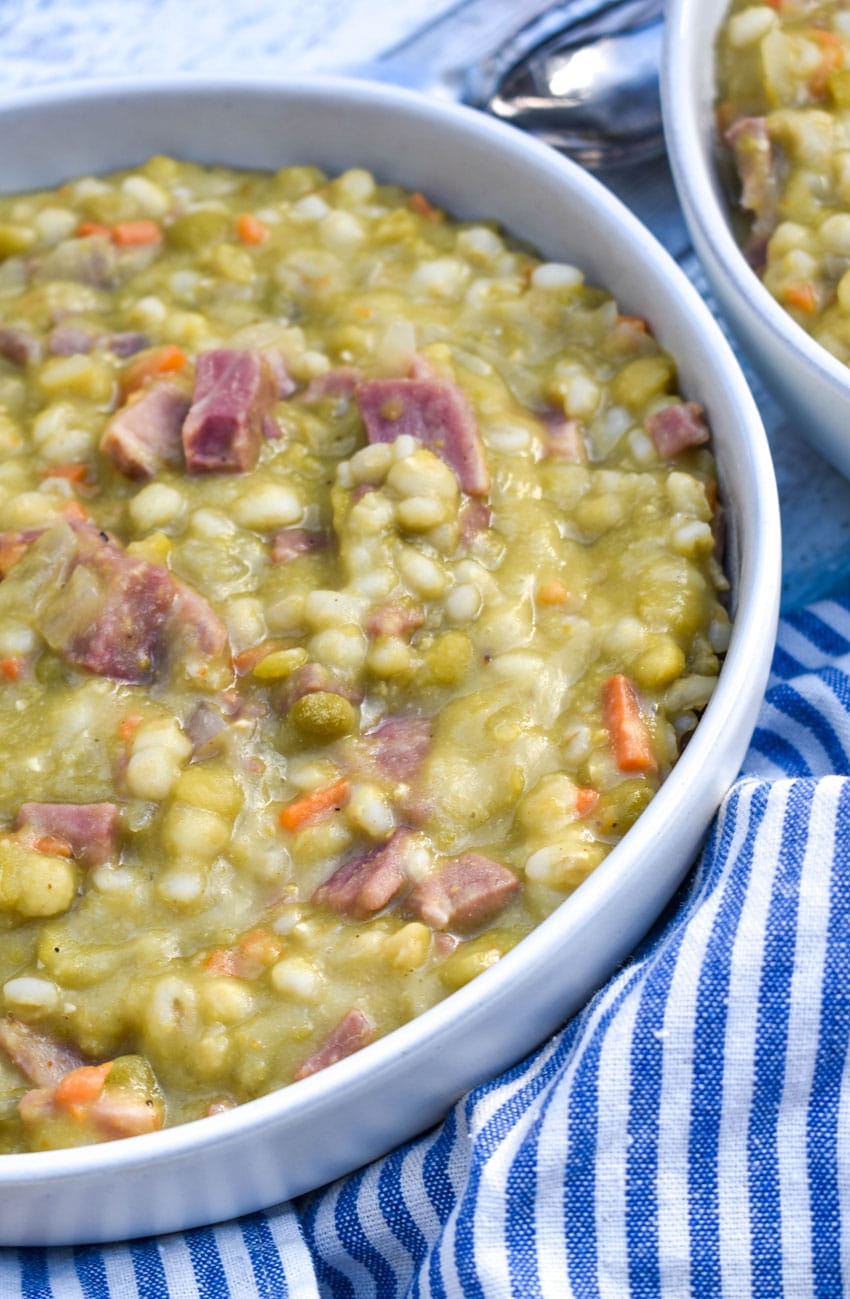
<point x="134" y="234"/>
<point x="250" y="229"/>
<point x="422" y="206"/>
<point x="11" y="667"/>
<point x="246" y="660"/>
<point x="52" y="846"/>
<point x="156" y="361"/>
<point x="80" y="1088"/>
<point x="86" y="228"/>
<point x="801" y="295"/>
<point x="586" y="799"/>
<point x="552" y="593"/>
<point x="630" y="737"/>
<point x="75" y="510"/>
<point x="75" y="473"/>
<point x="832" y="57"/>
<point x="309" y="808"/>
<point x="637" y="321"/>
<point x="254" y="953"/>
<point x="128" y="725"/>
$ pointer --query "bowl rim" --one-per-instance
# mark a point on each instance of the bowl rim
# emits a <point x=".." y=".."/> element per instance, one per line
<point x="746" y="661"/>
<point x="688" y="26"/>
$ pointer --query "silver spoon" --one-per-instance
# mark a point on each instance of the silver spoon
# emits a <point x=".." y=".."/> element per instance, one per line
<point x="583" y="77"/>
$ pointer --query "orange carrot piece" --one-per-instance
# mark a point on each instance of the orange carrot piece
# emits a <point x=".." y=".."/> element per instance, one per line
<point x="128" y="725"/>
<point x="224" y="960"/>
<point x="156" y="361"/>
<point x="250" y="229"/>
<point x="246" y="660"/>
<point x="86" y="228"/>
<point x="801" y="295"/>
<point x="74" y="510"/>
<point x="74" y="473"/>
<point x="52" y="846"/>
<point x="422" y="206"/>
<point x="309" y="808"/>
<point x="80" y="1088"/>
<point x="586" y="800"/>
<point x="11" y="668"/>
<point x="832" y="57"/>
<point x="135" y="234"/>
<point x="630" y="737"/>
<point x="639" y="322"/>
<point x="552" y="593"/>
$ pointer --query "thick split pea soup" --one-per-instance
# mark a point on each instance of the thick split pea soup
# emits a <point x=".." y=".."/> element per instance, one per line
<point x="359" y="590"/>
<point x="784" y="117"/>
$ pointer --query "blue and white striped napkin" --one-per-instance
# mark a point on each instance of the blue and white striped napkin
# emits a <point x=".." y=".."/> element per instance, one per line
<point x="688" y="1134"/>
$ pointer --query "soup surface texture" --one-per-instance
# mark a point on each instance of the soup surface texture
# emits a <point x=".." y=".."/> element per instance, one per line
<point x="359" y="590"/>
<point x="784" y="114"/>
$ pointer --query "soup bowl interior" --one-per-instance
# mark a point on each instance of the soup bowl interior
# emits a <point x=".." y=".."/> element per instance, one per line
<point x="812" y="385"/>
<point x="301" y="1137"/>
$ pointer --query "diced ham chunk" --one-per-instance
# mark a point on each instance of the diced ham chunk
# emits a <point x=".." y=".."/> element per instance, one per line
<point x="234" y="393"/>
<point x="113" y="613"/>
<point x="400" y="745"/>
<point x="474" y="519"/>
<point x="126" y="343"/>
<point x="366" y="884"/>
<point x="758" y="165"/>
<point x="289" y="543"/>
<point x="675" y="428"/>
<point x="565" y="439"/>
<point x="466" y="892"/>
<point x="435" y="411"/>
<point x="70" y="339"/>
<point x="39" y="1057"/>
<point x="354" y="1031"/>
<point x="17" y="346"/>
<point x="90" y="829"/>
<point x="341" y="382"/>
<point x="397" y="619"/>
<point x="145" y="434"/>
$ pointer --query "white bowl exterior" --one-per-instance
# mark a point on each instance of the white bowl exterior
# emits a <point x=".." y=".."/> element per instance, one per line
<point x="305" y="1135"/>
<point x="812" y="385"/>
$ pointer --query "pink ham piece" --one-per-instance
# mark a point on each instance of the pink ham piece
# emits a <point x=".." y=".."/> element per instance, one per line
<point x="436" y="412"/>
<point x="125" y="343"/>
<point x="70" y="339"/>
<point x="399" y="746"/>
<point x="289" y="543"/>
<point x="145" y="434"/>
<point x="565" y="439"/>
<point x="340" y="383"/>
<point x="365" y="885"/>
<point x="90" y="829"/>
<point x="17" y="346"/>
<point x="115" y="614"/>
<point x="38" y="1056"/>
<point x="758" y="165"/>
<point x="15" y="544"/>
<point x="675" y="428"/>
<point x="397" y="619"/>
<point x="354" y="1031"/>
<point x="466" y="892"/>
<point x="234" y="394"/>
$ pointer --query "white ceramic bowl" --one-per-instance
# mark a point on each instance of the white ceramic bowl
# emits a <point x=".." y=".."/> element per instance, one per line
<point x="305" y="1135"/>
<point x="812" y="385"/>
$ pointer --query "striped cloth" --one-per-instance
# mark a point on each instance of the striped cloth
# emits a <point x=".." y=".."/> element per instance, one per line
<point x="682" y="1136"/>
